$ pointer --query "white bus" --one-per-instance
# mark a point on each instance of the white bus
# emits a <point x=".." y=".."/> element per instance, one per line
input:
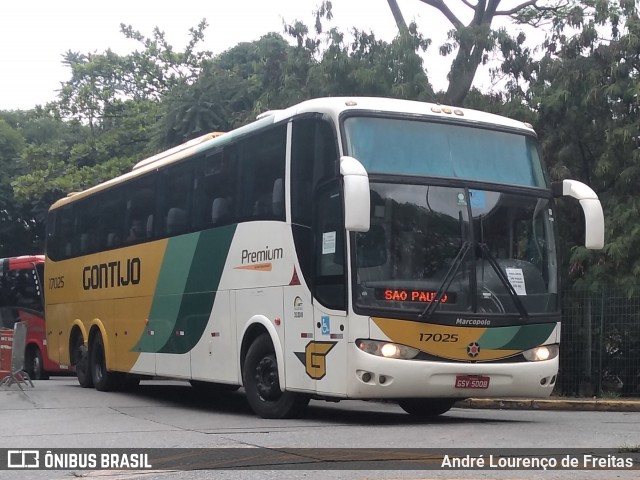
<point x="343" y="248"/>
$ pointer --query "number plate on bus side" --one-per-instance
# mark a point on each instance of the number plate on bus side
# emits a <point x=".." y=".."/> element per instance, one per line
<point x="472" y="381"/>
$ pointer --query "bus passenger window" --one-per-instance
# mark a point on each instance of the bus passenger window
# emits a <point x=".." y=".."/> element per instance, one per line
<point x="136" y="231"/>
<point x="141" y="205"/>
<point x="214" y="187"/>
<point x="176" y="221"/>
<point x="220" y="213"/>
<point x="262" y="163"/>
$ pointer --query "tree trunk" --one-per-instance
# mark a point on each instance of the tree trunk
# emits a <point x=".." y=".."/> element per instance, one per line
<point x="397" y="15"/>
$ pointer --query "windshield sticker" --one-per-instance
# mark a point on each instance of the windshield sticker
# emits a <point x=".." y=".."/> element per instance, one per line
<point x="328" y="243"/>
<point x="477" y="199"/>
<point x="516" y="279"/>
<point x="461" y="200"/>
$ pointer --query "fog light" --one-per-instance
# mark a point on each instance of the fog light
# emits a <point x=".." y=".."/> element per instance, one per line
<point x="382" y="379"/>
<point x="366" y="377"/>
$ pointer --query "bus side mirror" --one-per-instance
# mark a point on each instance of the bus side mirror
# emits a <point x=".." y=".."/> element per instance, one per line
<point x="593" y="216"/>
<point x="357" y="198"/>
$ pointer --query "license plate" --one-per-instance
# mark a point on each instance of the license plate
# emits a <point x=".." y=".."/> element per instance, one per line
<point x="472" y="381"/>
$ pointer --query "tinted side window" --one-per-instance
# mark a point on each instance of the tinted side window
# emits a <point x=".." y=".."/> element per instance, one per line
<point x="214" y="191"/>
<point x="60" y="225"/>
<point x="20" y="289"/>
<point x="261" y="182"/>
<point x="314" y="155"/>
<point x="87" y="226"/>
<point x="141" y="215"/>
<point x="176" y="200"/>
<point x="330" y="281"/>
<point x="111" y="225"/>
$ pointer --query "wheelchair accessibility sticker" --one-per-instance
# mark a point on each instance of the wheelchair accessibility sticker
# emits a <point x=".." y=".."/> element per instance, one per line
<point x="326" y="325"/>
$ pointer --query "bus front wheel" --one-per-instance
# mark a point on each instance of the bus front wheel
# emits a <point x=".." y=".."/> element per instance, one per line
<point x="103" y="379"/>
<point x="426" y="407"/>
<point x="262" y="383"/>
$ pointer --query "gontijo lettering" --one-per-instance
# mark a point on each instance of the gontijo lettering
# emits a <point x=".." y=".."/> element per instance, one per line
<point x="112" y="274"/>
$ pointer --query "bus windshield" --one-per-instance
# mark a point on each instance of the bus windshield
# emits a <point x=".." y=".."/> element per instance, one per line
<point x="484" y="251"/>
<point x="399" y="146"/>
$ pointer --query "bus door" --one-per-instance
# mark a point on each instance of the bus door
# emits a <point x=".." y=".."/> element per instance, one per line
<point x="328" y="364"/>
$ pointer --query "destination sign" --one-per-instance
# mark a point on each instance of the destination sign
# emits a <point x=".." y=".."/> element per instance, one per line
<point x="412" y="295"/>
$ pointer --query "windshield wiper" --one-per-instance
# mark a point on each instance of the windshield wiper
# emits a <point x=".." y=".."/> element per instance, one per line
<point x="446" y="281"/>
<point x="505" y="281"/>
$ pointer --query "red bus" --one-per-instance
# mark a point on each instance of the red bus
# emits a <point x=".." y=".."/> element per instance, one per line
<point x="21" y="300"/>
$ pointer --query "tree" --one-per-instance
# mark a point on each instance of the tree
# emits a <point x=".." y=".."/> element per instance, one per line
<point x="104" y="119"/>
<point x="99" y="80"/>
<point x="270" y="73"/>
<point x="15" y="225"/>
<point x="472" y="42"/>
<point x="584" y="91"/>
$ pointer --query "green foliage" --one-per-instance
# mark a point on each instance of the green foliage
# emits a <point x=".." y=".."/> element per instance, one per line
<point x="582" y="95"/>
<point x="585" y="93"/>
<point x="270" y="73"/>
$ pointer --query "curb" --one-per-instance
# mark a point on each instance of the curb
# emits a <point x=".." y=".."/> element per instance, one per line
<point x="599" y="405"/>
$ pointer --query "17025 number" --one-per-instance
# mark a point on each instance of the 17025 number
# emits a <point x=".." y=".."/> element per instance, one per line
<point x="439" y="337"/>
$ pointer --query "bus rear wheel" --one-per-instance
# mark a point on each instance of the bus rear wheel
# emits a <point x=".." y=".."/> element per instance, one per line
<point x="80" y="361"/>
<point x="262" y="383"/>
<point x="426" y="407"/>
<point x="33" y="364"/>
<point x="103" y="380"/>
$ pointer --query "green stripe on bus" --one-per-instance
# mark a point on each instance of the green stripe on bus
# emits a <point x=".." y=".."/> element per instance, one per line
<point x="200" y="289"/>
<point x="521" y="337"/>
<point x="530" y="336"/>
<point x="170" y="287"/>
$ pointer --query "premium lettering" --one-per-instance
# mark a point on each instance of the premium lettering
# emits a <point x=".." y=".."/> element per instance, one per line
<point x="265" y="255"/>
<point x="112" y="274"/>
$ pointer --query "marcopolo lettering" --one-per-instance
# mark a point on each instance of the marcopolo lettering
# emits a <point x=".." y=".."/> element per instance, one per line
<point x="262" y="255"/>
<point x="112" y="274"/>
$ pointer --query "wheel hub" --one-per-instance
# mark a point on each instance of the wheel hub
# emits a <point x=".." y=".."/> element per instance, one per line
<point x="267" y="382"/>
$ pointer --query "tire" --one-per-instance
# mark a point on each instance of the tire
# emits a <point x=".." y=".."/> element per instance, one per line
<point x="103" y="380"/>
<point x="33" y="364"/>
<point x="262" y="385"/>
<point x="80" y="361"/>
<point x="426" y="407"/>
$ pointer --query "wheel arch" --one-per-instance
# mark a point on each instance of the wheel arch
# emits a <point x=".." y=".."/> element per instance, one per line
<point x="96" y="327"/>
<point x="256" y="326"/>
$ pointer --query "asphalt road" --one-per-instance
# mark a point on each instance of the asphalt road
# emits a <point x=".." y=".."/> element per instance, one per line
<point x="59" y="414"/>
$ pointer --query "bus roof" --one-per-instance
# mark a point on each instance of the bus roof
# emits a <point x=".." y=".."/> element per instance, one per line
<point x="331" y="106"/>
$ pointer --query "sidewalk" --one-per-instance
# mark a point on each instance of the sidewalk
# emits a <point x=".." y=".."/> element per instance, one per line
<point x="557" y="403"/>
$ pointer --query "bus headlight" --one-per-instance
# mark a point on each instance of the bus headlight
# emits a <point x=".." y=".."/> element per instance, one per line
<point x="387" y="349"/>
<point x="539" y="354"/>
